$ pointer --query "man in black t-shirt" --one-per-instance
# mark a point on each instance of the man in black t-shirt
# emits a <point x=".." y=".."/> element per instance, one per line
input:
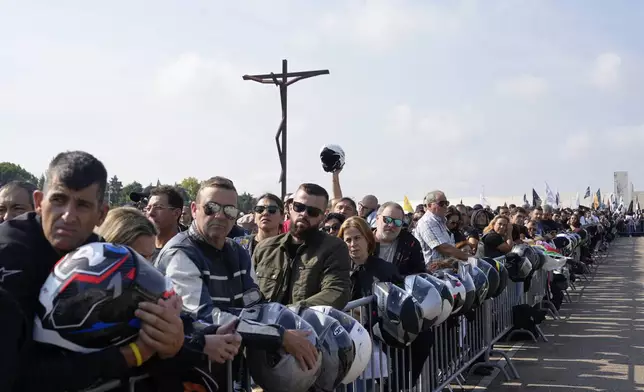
<point x="517" y="219"/>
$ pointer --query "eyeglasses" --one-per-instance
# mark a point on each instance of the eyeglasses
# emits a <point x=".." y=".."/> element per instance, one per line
<point x="149" y="209"/>
<point x="329" y="229"/>
<point x="212" y="208"/>
<point x="443" y="203"/>
<point x="313" y="212"/>
<point x="389" y="220"/>
<point x="271" y="209"/>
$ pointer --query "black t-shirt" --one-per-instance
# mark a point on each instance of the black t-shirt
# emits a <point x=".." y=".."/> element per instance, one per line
<point x="458" y="236"/>
<point x="517" y="230"/>
<point x="491" y="241"/>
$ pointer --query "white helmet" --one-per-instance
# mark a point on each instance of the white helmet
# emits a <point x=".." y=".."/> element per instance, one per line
<point x="446" y="300"/>
<point x="337" y="349"/>
<point x="278" y="369"/>
<point x="332" y="157"/>
<point x="455" y="286"/>
<point x="361" y="341"/>
<point x="428" y="300"/>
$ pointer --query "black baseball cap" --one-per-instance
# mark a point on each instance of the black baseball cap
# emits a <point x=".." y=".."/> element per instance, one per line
<point x="138" y="196"/>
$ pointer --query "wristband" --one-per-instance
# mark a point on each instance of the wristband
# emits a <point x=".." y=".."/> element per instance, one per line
<point x="137" y="354"/>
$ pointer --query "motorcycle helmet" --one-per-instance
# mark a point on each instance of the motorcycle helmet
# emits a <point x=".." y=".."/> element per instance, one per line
<point x="456" y="288"/>
<point x="430" y="301"/>
<point x="481" y="284"/>
<point x="518" y="267"/>
<point x="360" y="337"/>
<point x="523" y="250"/>
<point x="470" y="289"/>
<point x="337" y="349"/>
<point x="88" y="301"/>
<point x="397" y="314"/>
<point x="492" y="276"/>
<point x="445" y="303"/>
<point x="332" y="157"/>
<point x="277" y="369"/>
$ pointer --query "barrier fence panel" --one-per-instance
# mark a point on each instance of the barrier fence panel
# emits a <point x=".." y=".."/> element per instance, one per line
<point x="458" y="345"/>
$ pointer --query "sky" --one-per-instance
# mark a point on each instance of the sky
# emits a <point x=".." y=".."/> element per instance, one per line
<point x="464" y="96"/>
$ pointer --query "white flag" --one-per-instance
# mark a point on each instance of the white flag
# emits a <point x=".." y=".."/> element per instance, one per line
<point x="550" y="197"/>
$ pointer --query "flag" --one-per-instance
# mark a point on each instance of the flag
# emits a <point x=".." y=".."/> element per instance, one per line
<point x="536" y="200"/>
<point x="550" y="197"/>
<point x="576" y="205"/>
<point x="596" y="199"/>
<point x="483" y="200"/>
<point x="525" y="200"/>
<point x="637" y="205"/>
<point x="461" y="201"/>
<point x="630" y="209"/>
<point x="407" y="205"/>
<point x="505" y="204"/>
<point x="557" y="200"/>
<point x="587" y="195"/>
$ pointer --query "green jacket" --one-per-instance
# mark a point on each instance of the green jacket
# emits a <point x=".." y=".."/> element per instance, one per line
<point x="318" y="275"/>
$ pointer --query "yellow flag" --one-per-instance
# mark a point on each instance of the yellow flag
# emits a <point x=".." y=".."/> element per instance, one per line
<point x="407" y="205"/>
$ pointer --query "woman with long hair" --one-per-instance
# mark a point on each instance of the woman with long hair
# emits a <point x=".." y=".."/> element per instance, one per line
<point x="497" y="237"/>
<point x="130" y="227"/>
<point x="269" y="218"/>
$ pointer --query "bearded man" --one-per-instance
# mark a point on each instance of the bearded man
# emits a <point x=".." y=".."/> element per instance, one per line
<point x="305" y="266"/>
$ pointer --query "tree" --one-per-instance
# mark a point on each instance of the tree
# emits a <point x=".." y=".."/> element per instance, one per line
<point x="12" y="172"/>
<point x="115" y="191"/>
<point x="41" y="182"/>
<point x="129" y="188"/>
<point x="246" y="202"/>
<point x="191" y="185"/>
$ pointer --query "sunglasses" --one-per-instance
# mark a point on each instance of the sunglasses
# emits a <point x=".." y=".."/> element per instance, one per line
<point x="271" y="209"/>
<point x="389" y="220"/>
<point x="443" y="203"/>
<point x="328" y="229"/>
<point x="212" y="208"/>
<point x="313" y="212"/>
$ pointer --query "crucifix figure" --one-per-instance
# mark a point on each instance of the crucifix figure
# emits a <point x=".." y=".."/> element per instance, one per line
<point x="283" y="80"/>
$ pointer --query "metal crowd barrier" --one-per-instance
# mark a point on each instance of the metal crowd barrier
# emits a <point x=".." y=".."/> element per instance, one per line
<point x="460" y="345"/>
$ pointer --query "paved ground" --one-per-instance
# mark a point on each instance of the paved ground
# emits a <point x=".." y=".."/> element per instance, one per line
<point x="599" y="344"/>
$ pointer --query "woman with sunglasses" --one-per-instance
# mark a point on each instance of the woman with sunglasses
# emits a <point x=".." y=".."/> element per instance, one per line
<point x="269" y="217"/>
<point x="332" y="222"/>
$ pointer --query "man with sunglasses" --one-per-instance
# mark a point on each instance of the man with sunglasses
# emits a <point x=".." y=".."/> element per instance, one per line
<point x="304" y="266"/>
<point x="210" y="270"/>
<point x="435" y="239"/>
<point x="394" y="243"/>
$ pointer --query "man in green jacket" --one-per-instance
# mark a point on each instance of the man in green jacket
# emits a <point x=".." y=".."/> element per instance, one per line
<point x="304" y="266"/>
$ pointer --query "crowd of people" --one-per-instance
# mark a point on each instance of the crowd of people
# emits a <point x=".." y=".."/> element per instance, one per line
<point x="307" y="249"/>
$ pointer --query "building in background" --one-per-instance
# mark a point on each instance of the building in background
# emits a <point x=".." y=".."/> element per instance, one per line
<point x="623" y="187"/>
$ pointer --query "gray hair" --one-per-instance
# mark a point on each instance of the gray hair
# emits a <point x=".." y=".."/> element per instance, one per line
<point x="390" y="204"/>
<point x="432" y="197"/>
<point x="547" y="209"/>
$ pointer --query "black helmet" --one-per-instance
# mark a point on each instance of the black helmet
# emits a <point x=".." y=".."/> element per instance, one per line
<point x="503" y="275"/>
<point x="332" y="157"/>
<point x="492" y="275"/>
<point x="88" y="300"/>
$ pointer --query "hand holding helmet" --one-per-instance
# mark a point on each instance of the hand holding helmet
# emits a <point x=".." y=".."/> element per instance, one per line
<point x="298" y="345"/>
<point x="161" y="327"/>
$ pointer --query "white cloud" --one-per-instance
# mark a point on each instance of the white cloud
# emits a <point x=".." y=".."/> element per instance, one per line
<point x="526" y="86"/>
<point x="381" y="24"/>
<point x="433" y="126"/>
<point x="606" y="71"/>
<point x="194" y="77"/>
